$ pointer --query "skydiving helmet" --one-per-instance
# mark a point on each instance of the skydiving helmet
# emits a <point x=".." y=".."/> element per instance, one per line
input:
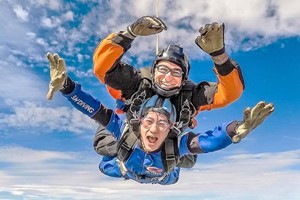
<point x="160" y="105"/>
<point x="173" y="53"/>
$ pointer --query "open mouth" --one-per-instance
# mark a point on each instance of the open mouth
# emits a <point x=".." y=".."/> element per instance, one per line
<point x="152" y="139"/>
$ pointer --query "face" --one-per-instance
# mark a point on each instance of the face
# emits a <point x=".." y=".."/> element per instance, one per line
<point x="165" y="78"/>
<point x="154" y="130"/>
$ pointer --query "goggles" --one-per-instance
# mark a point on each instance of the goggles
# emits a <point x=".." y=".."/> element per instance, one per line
<point x="165" y="70"/>
<point x="161" y="125"/>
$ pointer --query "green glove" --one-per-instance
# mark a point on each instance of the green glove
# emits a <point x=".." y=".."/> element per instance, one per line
<point x="145" y="26"/>
<point x="211" y="39"/>
<point x="252" y="118"/>
<point x="58" y="74"/>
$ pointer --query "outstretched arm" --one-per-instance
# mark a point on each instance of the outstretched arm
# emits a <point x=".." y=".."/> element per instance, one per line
<point x="253" y="117"/>
<point x="227" y="133"/>
<point x="81" y="100"/>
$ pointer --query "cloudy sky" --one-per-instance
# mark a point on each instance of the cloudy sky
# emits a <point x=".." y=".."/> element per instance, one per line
<point x="46" y="147"/>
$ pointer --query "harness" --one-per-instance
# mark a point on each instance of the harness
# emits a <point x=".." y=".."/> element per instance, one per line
<point x="182" y="101"/>
<point x="144" y="91"/>
<point x="130" y="137"/>
<point x="184" y="106"/>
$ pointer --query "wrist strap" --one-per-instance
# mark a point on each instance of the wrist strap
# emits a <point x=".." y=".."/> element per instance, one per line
<point x="220" y="59"/>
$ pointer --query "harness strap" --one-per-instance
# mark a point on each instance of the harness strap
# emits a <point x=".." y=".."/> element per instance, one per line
<point x="126" y="146"/>
<point x="133" y="104"/>
<point x="170" y="154"/>
<point x="127" y="142"/>
<point x="187" y="110"/>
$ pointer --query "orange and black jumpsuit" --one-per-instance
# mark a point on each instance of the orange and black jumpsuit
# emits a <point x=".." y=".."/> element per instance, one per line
<point x="122" y="79"/>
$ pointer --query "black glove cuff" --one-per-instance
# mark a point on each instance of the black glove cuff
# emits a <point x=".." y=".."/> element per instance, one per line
<point x="231" y="128"/>
<point x="68" y="86"/>
<point x="217" y="53"/>
<point x="225" y="68"/>
<point x="122" y="40"/>
<point x="194" y="146"/>
<point x="103" y="115"/>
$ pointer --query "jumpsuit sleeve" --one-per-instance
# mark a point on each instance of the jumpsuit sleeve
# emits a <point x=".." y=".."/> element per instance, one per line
<point x="230" y="86"/>
<point x="120" y="78"/>
<point x="92" y="107"/>
<point x="209" y="141"/>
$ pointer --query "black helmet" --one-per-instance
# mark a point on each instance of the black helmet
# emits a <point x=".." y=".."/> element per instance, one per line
<point x="158" y="104"/>
<point x="173" y="53"/>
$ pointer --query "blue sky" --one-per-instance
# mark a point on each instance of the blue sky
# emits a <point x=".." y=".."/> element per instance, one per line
<point x="46" y="146"/>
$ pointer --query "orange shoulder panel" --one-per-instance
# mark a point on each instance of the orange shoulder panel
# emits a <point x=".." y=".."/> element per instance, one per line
<point x="105" y="56"/>
<point x="230" y="88"/>
<point x="116" y="94"/>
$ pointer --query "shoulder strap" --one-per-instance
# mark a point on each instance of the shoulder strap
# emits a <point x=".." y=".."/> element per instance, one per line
<point x="128" y="141"/>
<point x="186" y="108"/>
<point x="144" y="91"/>
<point x="170" y="151"/>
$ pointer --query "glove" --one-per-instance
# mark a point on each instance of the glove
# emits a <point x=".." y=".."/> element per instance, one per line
<point x="252" y="118"/>
<point x="145" y="26"/>
<point x="211" y="39"/>
<point x="58" y="74"/>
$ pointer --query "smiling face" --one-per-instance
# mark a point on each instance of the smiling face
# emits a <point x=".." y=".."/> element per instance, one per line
<point x="154" y="130"/>
<point x="164" y="78"/>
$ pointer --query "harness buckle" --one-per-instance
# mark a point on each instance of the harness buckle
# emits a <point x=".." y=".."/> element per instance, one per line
<point x="170" y="157"/>
<point x="126" y="146"/>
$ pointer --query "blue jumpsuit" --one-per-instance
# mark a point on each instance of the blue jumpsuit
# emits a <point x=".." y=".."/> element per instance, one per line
<point x="141" y="166"/>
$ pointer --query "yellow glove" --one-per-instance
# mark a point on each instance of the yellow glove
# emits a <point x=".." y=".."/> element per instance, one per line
<point x="252" y="118"/>
<point x="58" y="74"/>
<point x="211" y="39"/>
<point x="145" y="26"/>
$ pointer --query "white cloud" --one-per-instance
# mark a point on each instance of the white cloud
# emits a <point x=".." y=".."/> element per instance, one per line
<point x="270" y="21"/>
<point x="15" y="154"/>
<point x="18" y="82"/>
<point x="246" y="176"/>
<point x="68" y="16"/>
<point x="50" y="22"/>
<point x="30" y="115"/>
<point x="42" y="42"/>
<point x="13" y="31"/>
<point x="21" y="13"/>
<point x="51" y="4"/>
<point x="80" y="57"/>
<point x="54" y="4"/>
<point x="81" y="74"/>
